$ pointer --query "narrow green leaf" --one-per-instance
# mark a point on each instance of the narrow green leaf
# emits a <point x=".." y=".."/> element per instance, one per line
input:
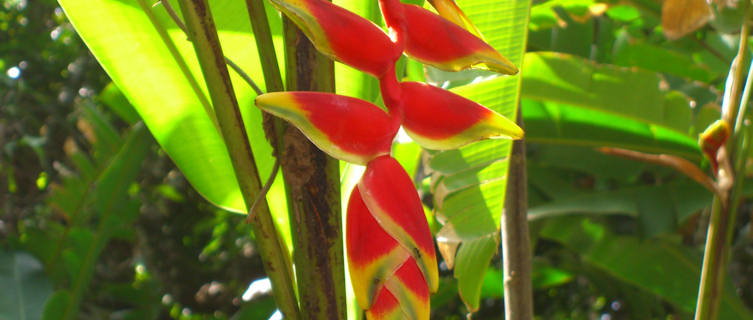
<point x="113" y="98"/>
<point x="111" y="204"/>
<point x="471" y="267"/>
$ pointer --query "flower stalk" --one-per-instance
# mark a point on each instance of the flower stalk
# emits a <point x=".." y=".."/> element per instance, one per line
<point x="730" y="181"/>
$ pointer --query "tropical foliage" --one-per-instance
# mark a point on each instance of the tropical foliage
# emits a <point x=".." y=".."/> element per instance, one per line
<point x="119" y="199"/>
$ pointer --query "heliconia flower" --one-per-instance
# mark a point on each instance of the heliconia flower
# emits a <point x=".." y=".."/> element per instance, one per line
<point x="433" y="40"/>
<point x="391" y="255"/>
<point x="439" y="119"/>
<point x="449" y="10"/>
<point x="342" y="35"/>
<point x="346" y="128"/>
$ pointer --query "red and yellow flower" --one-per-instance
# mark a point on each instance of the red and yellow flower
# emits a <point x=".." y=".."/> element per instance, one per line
<point x="391" y="256"/>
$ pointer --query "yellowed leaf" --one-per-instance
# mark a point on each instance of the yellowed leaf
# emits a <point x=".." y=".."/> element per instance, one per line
<point x="680" y="17"/>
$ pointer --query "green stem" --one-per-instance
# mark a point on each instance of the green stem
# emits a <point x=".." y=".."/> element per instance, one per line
<point x="203" y="34"/>
<point x="265" y="46"/>
<point x="273" y="126"/>
<point x="713" y="264"/>
<point x="236" y="68"/>
<point x="723" y="211"/>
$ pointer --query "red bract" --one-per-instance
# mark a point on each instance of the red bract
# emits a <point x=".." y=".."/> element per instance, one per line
<point x="390" y="250"/>
<point x="439" y="119"/>
<point x="372" y="253"/>
<point x="391" y="197"/>
<point x="342" y="35"/>
<point x="433" y="40"/>
<point x="347" y="128"/>
<point x="394" y="18"/>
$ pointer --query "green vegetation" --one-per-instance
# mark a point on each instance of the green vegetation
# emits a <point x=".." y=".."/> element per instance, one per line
<point x="119" y="198"/>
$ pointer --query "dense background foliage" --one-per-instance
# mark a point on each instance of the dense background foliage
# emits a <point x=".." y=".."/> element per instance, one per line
<point x="95" y="215"/>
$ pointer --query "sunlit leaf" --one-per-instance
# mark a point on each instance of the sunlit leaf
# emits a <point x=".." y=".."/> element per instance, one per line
<point x="503" y="23"/>
<point x="576" y="81"/>
<point x="555" y="123"/>
<point x="160" y="76"/>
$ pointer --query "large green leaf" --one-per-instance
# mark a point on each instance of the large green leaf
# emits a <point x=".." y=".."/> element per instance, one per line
<point x="25" y="286"/>
<point x="629" y="93"/>
<point x="155" y="67"/>
<point x="658" y="208"/>
<point x="660" y="59"/>
<point x="470" y="205"/>
<point x="655" y="265"/>
<point x="556" y="123"/>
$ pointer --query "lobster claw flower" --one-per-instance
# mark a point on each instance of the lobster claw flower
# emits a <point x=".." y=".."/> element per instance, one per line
<point x="449" y="10"/>
<point x="346" y="128"/>
<point x="439" y="119"/>
<point x="342" y="35"/>
<point x="433" y="40"/>
<point x="391" y="255"/>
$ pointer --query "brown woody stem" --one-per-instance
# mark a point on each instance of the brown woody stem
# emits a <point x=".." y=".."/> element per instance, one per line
<point x="313" y="187"/>
<point x="516" y="245"/>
